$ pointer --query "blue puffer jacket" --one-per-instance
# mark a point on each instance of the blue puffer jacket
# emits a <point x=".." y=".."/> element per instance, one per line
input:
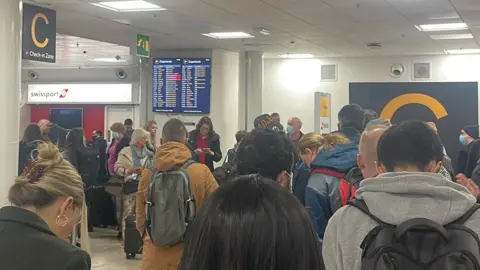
<point x="322" y="193"/>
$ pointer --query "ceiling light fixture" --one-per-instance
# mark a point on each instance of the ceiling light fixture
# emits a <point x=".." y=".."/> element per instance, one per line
<point x="128" y="6"/>
<point x="442" y="27"/>
<point x="228" y="35"/>
<point x="452" y="36"/>
<point x="108" y="60"/>
<point x="463" y="51"/>
<point x="296" y="56"/>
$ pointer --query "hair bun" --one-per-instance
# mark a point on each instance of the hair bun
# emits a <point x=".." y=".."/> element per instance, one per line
<point x="48" y="154"/>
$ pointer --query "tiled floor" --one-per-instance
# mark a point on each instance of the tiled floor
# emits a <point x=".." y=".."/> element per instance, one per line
<point x="107" y="253"/>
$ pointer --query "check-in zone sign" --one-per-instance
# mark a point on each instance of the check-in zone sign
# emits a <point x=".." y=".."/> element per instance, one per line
<point x="80" y="93"/>
<point x="39" y="33"/>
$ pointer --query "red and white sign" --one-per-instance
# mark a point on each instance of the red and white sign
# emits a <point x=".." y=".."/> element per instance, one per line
<point x="80" y="93"/>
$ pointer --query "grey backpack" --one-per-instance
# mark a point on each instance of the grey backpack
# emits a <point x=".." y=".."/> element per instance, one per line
<point x="420" y="243"/>
<point x="170" y="206"/>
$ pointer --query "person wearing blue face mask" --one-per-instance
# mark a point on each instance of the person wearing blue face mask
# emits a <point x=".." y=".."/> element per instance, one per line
<point x="469" y="136"/>
<point x="294" y="125"/>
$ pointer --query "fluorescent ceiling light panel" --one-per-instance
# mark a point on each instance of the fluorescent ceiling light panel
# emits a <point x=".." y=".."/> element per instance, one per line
<point x="228" y="35"/>
<point x="452" y="36"/>
<point x="463" y="51"/>
<point x="128" y="6"/>
<point x="296" y="56"/>
<point x="442" y="27"/>
<point x="108" y="60"/>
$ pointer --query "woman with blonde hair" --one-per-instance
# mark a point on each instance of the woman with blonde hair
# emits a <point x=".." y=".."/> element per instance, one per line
<point x="151" y="127"/>
<point x="329" y="159"/>
<point x="308" y="148"/>
<point x="129" y="166"/>
<point x="48" y="203"/>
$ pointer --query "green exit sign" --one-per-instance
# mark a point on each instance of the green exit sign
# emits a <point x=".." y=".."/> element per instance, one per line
<point x="143" y="45"/>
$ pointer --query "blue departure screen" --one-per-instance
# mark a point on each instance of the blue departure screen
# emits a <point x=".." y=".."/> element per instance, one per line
<point x="182" y="85"/>
<point x="167" y="84"/>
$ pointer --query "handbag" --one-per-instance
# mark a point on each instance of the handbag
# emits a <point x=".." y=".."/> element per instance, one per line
<point x="131" y="186"/>
<point x="114" y="186"/>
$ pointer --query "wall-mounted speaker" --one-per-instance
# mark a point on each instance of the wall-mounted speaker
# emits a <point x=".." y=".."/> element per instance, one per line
<point x="422" y="71"/>
<point x="121" y="74"/>
<point x="33" y="75"/>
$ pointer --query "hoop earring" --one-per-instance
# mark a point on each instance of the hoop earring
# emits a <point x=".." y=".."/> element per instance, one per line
<point x="61" y="224"/>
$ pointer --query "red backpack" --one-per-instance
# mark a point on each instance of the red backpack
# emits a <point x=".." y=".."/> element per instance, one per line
<point x="346" y="189"/>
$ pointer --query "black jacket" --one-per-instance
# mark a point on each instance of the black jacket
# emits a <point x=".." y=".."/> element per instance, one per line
<point x="213" y="144"/>
<point x="27" y="243"/>
<point x="472" y="158"/>
<point x="101" y="145"/>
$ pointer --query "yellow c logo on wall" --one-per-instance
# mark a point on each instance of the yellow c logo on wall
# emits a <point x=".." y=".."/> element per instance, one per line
<point x="34" y="27"/>
<point x="414" y="98"/>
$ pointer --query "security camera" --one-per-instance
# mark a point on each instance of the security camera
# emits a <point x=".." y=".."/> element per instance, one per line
<point x="33" y="75"/>
<point x="121" y="74"/>
<point x="397" y="70"/>
<point x="118" y="57"/>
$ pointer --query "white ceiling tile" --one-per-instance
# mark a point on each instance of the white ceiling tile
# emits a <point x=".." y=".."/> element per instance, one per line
<point x="357" y="3"/>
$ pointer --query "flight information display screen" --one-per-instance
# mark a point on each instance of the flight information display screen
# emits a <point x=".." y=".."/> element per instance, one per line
<point x="182" y="85"/>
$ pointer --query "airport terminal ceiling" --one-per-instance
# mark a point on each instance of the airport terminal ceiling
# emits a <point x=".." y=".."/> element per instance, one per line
<point x="322" y="28"/>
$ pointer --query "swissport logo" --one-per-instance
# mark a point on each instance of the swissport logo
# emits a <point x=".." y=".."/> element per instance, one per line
<point x="64" y="93"/>
<point x="48" y="95"/>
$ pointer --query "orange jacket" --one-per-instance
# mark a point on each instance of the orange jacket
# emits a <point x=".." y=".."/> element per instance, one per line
<point x="168" y="156"/>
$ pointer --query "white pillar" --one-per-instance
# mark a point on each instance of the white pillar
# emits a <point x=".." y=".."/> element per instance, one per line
<point x="10" y="79"/>
<point x="253" y="92"/>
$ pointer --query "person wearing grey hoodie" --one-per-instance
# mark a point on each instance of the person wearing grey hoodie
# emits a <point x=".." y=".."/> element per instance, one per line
<point x="408" y="186"/>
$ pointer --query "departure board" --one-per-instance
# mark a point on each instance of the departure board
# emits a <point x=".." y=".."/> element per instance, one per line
<point x="167" y="84"/>
<point x="182" y="85"/>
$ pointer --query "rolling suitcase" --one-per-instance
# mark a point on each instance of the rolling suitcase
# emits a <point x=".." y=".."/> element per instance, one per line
<point x="133" y="240"/>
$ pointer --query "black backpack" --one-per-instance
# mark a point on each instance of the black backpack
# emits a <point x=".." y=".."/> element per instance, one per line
<point x="88" y="165"/>
<point x="225" y="173"/>
<point x="420" y="243"/>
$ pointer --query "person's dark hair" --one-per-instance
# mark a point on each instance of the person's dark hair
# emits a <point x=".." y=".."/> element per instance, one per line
<point x="32" y="133"/>
<point x="275" y="114"/>
<point x="411" y="143"/>
<point x="74" y="139"/>
<point x="352" y="115"/>
<point x="370" y="115"/>
<point x="205" y="120"/>
<point x="174" y="131"/>
<point x="240" y="135"/>
<point x="262" y="120"/>
<point x="128" y="122"/>
<point x="265" y="152"/>
<point x="251" y="223"/>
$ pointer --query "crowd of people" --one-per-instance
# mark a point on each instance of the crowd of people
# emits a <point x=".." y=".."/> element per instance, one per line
<point x="370" y="195"/>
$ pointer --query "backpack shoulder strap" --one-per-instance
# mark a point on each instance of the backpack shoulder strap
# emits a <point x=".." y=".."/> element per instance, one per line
<point x="328" y="172"/>
<point x="188" y="163"/>
<point x="360" y="205"/>
<point x="183" y="169"/>
<point x="467" y="216"/>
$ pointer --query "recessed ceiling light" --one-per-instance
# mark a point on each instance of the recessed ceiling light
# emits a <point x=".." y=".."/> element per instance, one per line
<point x="463" y="51"/>
<point x="128" y="6"/>
<point x="107" y="60"/>
<point x="452" y="36"/>
<point x="296" y="56"/>
<point x="442" y="27"/>
<point x="228" y="35"/>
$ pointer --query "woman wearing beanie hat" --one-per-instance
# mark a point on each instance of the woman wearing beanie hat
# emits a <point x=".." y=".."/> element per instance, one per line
<point x="469" y="136"/>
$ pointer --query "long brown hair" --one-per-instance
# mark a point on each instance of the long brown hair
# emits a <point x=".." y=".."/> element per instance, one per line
<point x="32" y="133"/>
<point x="205" y="120"/>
